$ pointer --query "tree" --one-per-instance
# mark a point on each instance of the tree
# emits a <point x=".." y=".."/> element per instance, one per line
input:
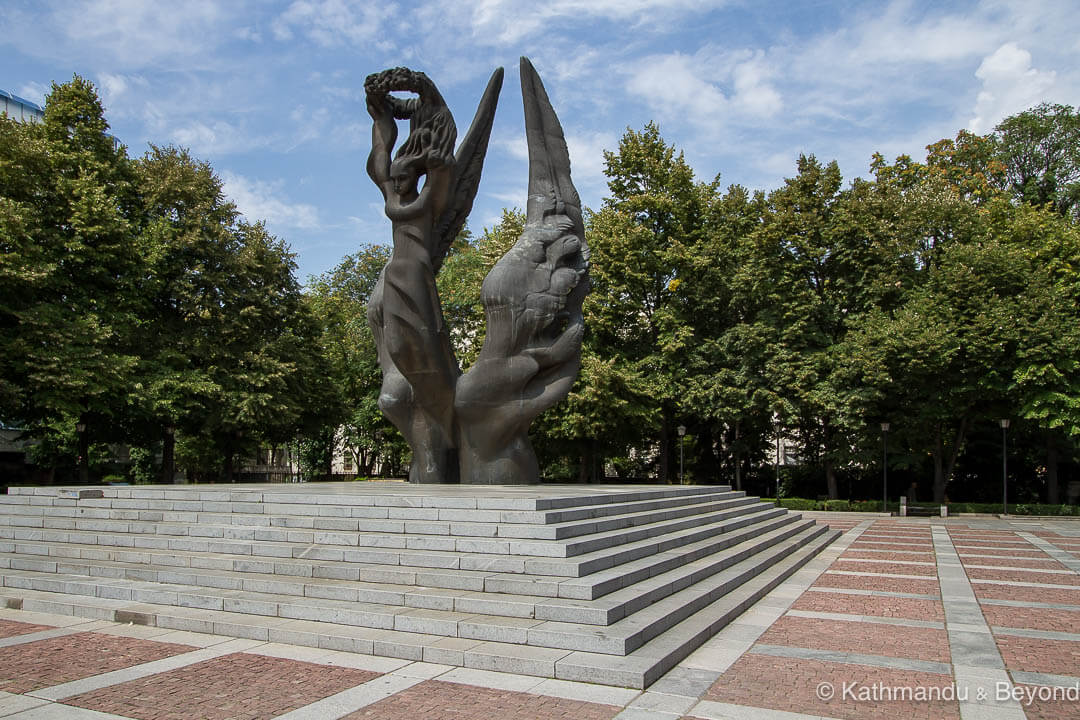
<point x="640" y="240"/>
<point x="339" y="300"/>
<point x="71" y="255"/>
<point x="1041" y="151"/>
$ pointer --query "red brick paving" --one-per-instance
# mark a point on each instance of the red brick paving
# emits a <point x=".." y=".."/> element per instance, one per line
<point x="886" y="555"/>
<point x="912" y="608"/>
<point x="1032" y="618"/>
<point x="11" y="628"/>
<point x="1059" y="657"/>
<point x="883" y="567"/>
<point x="796" y="683"/>
<point x="969" y="554"/>
<point x="239" y="686"/>
<point x="859" y="637"/>
<point x="877" y="582"/>
<point x="1034" y="563"/>
<point x="1061" y="596"/>
<point x="1028" y="576"/>
<point x="882" y="545"/>
<point x="42" y="663"/>
<point x="440" y="700"/>
<point x="1062" y="707"/>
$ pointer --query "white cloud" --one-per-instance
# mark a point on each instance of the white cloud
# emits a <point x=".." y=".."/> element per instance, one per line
<point x="1009" y="85"/>
<point x="509" y="23"/>
<point x="214" y="138"/>
<point x="130" y="33"/>
<point x="333" y="22"/>
<point x="261" y="200"/>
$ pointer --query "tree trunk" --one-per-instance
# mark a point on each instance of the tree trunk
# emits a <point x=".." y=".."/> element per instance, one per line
<point x="737" y="460"/>
<point x="168" y="458"/>
<point x="84" y="453"/>
<point x="1053" y="496"/>
<point x="665" y="427"/>
<point x="830" y="465"/>
<point x="830" y="480"/>
<point x="943" y="468"/>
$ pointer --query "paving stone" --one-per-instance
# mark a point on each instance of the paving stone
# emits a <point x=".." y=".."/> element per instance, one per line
<point x="58" y="660"/>
<point x="436" y="698"/>
<point x="239" y="686"/>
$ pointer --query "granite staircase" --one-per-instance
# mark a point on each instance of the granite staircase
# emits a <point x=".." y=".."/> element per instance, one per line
<point x="605" y="584"/>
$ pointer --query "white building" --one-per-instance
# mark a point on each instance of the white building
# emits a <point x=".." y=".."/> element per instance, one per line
<point x="20" y="109"/>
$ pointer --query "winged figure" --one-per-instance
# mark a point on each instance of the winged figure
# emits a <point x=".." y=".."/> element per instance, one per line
<point x="473" y="427"/>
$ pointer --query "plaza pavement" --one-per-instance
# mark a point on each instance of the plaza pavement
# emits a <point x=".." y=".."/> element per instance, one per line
<point x="971" y="618"/>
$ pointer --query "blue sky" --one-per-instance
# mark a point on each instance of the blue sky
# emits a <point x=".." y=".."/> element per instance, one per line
<point x="270" y="92"/>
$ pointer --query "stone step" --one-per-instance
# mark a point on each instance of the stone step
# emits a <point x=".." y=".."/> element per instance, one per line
<point x="477" y="615"/>
<point x="307" y="498"/>
<point x="273" y="527"/>
<point x="638" y="669"/>
<point x="271" y="541"/>
<point x="632" y="631"/>
<point x="334" y="561"/>
<point x="602" y="582"/>
<point x="492" y="594"/>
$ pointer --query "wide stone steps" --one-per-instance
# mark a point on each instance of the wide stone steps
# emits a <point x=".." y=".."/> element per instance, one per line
<point x="164" y="565"/>
<point x="553" y="525"/>
<point x="637" y="669"/>
<point x="476" y="616"/>
<point x="515" y="577"/>
<point x="469" y="554"/>
<point x="492" y="596"/>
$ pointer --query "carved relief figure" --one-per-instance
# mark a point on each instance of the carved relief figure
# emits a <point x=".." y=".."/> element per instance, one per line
<point x="472" y="427"/>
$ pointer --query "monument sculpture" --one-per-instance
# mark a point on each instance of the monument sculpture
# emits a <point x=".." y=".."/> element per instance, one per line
<point x="473" y="427"/>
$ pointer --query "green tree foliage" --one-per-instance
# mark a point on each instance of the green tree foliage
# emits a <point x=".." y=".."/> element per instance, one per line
<point x="1041" y="152"/>
<point x="638" y="312"/>
<point x="134" y="298"/>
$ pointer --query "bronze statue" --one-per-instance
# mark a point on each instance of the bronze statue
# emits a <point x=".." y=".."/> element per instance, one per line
<point x="473" y="427"/>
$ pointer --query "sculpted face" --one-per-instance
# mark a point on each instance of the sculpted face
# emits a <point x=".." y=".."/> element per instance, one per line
<point x="404" y="179"/>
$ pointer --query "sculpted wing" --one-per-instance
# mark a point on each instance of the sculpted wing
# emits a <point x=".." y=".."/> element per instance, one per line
<point x="469" y="162"/>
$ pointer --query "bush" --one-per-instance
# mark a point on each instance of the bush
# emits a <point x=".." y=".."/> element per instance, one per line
<point x="838" y="505"/>
<point x="866" y="505"/>
<point x="1043" y="509"/>
<point x="800" y="504"/>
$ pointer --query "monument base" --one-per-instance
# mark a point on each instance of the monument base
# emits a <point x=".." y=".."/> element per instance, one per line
<point x="596" y="583"/>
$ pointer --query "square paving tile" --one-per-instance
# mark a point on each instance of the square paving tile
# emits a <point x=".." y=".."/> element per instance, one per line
<point x="859" y="637"/>
<point x="239" y="686"/>
<point x="42" y="663"/>
<point x="11" y="628"/>
<point x="453" y="701"/>
<point x="818" y="688"/>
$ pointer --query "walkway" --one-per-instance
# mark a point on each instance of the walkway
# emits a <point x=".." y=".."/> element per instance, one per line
<point x="968" y="618"/>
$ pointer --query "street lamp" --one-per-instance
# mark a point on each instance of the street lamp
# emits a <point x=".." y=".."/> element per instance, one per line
<point x="885" y="467"/>
<point x="682" y="434"/>
<point x="1004" y="422"/>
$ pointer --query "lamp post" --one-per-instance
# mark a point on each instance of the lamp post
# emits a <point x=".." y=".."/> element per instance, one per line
<point x="84" y="463"/>
<point x="1004" y="422"/>
<point x="885" y="467"/>
<point x="682" y="434"/>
